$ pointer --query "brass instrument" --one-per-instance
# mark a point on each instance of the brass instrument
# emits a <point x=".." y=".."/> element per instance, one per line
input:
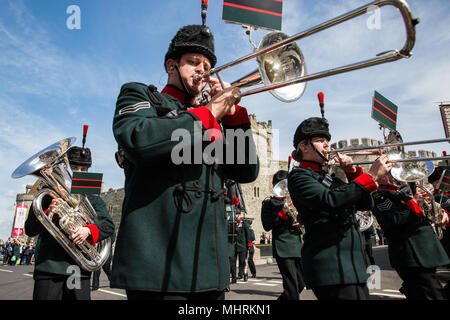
<point x="281" y="62"/>
<point x="364" y="219"/>
<point x="409" y="169"/>
<point x="51" y="166"/>
<point x="431" y="209"/>
<point x="281" y="191"/>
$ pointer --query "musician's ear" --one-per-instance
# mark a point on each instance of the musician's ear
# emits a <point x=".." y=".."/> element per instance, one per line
<point x="170" y="65"/>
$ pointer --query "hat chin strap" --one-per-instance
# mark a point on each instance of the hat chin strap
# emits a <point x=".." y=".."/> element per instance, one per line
<point x="186" y="90"/>
<point x="317" y="151"/>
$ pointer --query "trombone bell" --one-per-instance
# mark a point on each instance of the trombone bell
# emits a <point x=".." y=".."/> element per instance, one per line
<point x="281" y="65"/>
<point x="412" y="172"/>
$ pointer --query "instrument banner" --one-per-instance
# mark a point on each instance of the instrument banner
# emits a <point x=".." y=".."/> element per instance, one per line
<point x="20" y="216"/>
<point x="266" y="14"/>
<point x="445" y="182"/>
<point x="86" y="183"/>
<point x="384" y="111"/>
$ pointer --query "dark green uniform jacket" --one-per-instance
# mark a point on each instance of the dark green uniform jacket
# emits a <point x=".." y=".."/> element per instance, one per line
<point x="286" y="241"/>
<point x="332" y="252"/>
<point x="51" y="259"/>
<point x="445" y="204"/>
<point x="173" y="231"/>
<point x="251" y="248"/>
<point x="411" y="239"/>
<point x="243" y="236"/>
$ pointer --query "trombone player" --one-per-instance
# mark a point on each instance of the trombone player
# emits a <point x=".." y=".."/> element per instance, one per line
<point x="333" y="260"/>
<point x="414" y="249"/>
<point x="286" y="241"/>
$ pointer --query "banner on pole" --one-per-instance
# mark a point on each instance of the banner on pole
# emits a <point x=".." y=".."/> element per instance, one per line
<point x="20" y="215"/>
<point x="266" y="14"/>
<point x="384" y="111"/>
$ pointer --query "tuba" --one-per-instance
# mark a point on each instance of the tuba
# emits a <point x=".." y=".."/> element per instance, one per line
<point x="51" y="166"/>
<point x="281" y="191"/>
<point x="364" y="219"/>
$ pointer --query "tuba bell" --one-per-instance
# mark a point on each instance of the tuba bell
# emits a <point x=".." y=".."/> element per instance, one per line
<point x="51" y="166"/>
<point x="364" y="219"/>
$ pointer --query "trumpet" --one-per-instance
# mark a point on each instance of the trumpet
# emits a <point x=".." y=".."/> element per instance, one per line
<point x="281" y="62"/>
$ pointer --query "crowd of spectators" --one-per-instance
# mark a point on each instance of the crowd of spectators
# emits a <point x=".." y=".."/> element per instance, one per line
<point x="15" y="251"/>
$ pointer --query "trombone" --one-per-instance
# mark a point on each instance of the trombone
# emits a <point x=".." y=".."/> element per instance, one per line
<point x="404" y="169"/>
<point x="394" y="159"/>
<point x="286" y="65"/>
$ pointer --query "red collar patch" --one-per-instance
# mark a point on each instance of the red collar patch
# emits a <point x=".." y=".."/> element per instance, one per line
<point x="310" y="165"/>
<point x="176" y="93"/>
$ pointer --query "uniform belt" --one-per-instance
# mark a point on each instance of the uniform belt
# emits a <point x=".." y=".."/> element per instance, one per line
<point x="181" y="195"/>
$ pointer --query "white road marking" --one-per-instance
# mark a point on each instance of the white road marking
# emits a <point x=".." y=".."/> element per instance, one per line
<point x="265" y="284"/>
<point x="275" y="281"/>
<point x="112" y="292"/>
<point x="390" y="290"/>
<point x="6" y="270"/>
<point x="387" y="295"/>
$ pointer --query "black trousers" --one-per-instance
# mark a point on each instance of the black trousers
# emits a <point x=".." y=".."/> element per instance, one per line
<point x="232" y="260"/>
<point x="57" y="289"/>
<point x="96" y="274"/>
<point x="251" y="263"/>
<point x="342" y="292"/>
<point x="149" y="295"/>
<point x="241" y="258"/>
<point x="421" y="284"/>
<point x="292" y="274"/>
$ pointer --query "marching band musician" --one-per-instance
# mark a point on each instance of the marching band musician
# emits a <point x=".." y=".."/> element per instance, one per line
<point x="243" y="243"/>
<point x="286" y="244"/>
<point x="52" y="272"/>
<point x="173" y="214"/>
<point x="443" y="198"/>
<point x="332" y="255"/>
<point x="413" y="247"/>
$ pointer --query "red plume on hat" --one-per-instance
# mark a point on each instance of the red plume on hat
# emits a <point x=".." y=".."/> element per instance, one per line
<point x="85" y="131"/>
<point x="321" y="98"/>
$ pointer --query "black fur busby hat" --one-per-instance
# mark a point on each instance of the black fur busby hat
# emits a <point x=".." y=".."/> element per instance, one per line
<point x="192" y="39"/>
<point x="80" y="156"/>
<point x="279" y="175"/>
<point x="310" y="128"/>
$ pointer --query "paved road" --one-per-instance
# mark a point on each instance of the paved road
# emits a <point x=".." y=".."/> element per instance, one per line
<point x="16" y="283"/>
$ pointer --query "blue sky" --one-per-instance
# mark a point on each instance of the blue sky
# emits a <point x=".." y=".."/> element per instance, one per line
<point x="54" y="80"/>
